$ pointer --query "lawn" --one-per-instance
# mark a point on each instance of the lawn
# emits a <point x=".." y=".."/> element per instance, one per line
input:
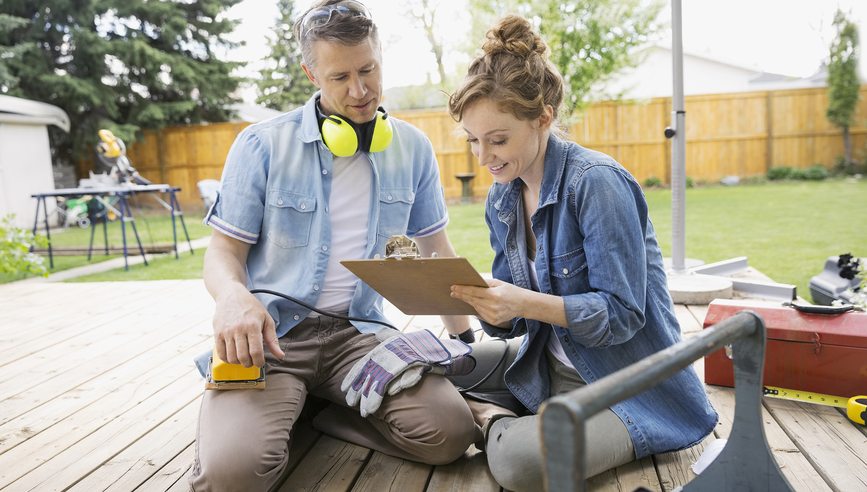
<point x="154" y="227"/>
<point x="786" y="229"/>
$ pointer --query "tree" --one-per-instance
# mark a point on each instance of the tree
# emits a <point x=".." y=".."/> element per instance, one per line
<point x="591" y="40"/>
<point x="423" y="13"/>
<point x="283" y="85"/>
<point x="844" y="85"/>
<point x="123" y="65"/>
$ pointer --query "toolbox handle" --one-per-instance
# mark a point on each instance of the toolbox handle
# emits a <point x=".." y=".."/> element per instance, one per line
<point x="820" y="309"/>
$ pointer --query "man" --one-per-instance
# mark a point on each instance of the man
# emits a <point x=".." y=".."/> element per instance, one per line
<point x="289" y="210"/>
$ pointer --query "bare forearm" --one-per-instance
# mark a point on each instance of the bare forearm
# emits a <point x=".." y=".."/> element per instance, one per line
<point x="542" y="307"/>
<point x="223" y="273"/>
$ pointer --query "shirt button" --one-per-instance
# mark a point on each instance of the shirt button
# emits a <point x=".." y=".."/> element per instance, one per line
<point x="325" y="248"/>
<point x="325" y="171"/>
<point x="512" y="246"/>
<point x="540" y="248"/>
<point x="315" y="287"/>
<point x="297" y="317"/>
<point x="389" y="197"/>
<point x="303" y="207"/>
<point x="279" y="201"/>
<point x="565" y="271"/>
<point x="326" y="209"/>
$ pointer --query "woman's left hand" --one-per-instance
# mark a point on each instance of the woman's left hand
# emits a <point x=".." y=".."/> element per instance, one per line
<point x="497" y="305"/>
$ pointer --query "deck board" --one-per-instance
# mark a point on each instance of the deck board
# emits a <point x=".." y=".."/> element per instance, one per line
<point x="98" y="392"/>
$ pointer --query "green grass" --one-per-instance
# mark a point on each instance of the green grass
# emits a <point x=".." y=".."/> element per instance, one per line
<point x="786" y="229"/>
<point x="164" y="268"/>
<point x="154" y="227"/>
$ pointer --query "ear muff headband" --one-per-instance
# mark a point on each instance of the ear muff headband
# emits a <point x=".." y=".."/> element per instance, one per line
<point x="342" y="136"/>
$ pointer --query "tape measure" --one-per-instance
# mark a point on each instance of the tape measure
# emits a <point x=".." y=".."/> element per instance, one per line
<point x="856" y="407"/>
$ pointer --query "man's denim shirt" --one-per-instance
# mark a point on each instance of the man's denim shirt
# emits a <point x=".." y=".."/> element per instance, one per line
<point x="275" y="193"/>
<point x="596" y="248"/>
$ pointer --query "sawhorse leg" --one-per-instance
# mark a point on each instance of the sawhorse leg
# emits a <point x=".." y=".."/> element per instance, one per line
<point x="47" y="231"/>
<point x="124" y="212"/>
<point x="176" y="210"/>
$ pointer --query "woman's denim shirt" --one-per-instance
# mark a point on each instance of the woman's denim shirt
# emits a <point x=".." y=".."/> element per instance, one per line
<point x="275" y="194"/>
<point x="596" y="249"/>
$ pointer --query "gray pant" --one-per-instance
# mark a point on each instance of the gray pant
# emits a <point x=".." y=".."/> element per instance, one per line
<point x="244" y="436"/>
<point x="514" y="445"/>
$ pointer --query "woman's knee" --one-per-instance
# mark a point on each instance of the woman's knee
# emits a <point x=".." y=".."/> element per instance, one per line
<point x="514" y="453"/>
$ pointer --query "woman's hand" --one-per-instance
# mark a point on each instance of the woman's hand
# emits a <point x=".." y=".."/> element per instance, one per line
<point x="498" y="304"/>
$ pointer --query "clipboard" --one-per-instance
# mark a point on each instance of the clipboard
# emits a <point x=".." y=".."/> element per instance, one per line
<point x="419" y="285"/>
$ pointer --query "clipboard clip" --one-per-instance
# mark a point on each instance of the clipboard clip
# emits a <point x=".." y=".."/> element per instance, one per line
<point x="399" y="247"/>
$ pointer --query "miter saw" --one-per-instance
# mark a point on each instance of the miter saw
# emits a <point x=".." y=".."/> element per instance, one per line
<point x="111" y="152"/>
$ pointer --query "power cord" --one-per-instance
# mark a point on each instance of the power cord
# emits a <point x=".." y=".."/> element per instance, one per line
<point x="364" y="320"/>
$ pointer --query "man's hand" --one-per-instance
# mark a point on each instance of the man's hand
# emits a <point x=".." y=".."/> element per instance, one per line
<point x="241" y="323"/>
<point x="498" y="304"/>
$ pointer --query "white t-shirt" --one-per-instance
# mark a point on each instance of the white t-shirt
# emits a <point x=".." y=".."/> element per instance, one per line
<point x="348" y="209"/>
<point x="553" y="344"/>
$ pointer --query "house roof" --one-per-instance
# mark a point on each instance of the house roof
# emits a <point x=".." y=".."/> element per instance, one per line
<point x="27" y="112"/>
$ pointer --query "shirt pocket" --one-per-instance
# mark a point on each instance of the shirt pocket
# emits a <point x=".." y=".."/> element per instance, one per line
<point x="394" y="208"/>
<point x="569" y="272"/>
<point x="291" y="216"/>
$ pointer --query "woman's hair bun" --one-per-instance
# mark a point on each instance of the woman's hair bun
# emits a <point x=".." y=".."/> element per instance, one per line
<point x="514" y="35"/>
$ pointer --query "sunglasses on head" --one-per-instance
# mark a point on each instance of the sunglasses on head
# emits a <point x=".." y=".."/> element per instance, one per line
<point x="321" y="16"/>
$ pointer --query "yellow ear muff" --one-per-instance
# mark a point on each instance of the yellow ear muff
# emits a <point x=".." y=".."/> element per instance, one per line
<point x="382" y="133"/>
<point x="339" y="136"/>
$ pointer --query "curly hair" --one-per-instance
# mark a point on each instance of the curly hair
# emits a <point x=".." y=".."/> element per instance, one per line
<point x="514" y="72"/>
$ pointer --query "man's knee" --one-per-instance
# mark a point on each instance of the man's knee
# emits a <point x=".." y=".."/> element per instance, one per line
<point x="232" y="469"/>
<point x="435" y="422"/>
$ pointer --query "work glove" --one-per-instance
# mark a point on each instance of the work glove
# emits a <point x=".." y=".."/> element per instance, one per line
<point x="407" y="357"/>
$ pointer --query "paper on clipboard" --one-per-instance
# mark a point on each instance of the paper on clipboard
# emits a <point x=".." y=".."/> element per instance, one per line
<point x="419" y="285"/>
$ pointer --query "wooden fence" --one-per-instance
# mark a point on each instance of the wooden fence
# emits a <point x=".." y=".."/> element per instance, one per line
<point x="742" y="134"/>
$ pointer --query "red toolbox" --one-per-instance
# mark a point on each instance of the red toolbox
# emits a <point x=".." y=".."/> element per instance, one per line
<point x="819" y="353"/>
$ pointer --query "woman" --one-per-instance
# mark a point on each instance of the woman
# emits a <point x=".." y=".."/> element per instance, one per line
<point x="577" y="270"/>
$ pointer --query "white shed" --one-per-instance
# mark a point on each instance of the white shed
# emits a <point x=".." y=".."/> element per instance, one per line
<point x="25" y="156"/>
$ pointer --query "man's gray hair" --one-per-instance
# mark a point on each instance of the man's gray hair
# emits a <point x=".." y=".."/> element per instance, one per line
<point x="343" y="28"/>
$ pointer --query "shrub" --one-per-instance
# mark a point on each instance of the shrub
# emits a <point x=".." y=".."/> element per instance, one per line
<point x="652" y="181"/>
<point x="689" y="182"/>
<point x="779" y="172"/>
<point x="15" y="255"/>
<point x="816" y="172"/>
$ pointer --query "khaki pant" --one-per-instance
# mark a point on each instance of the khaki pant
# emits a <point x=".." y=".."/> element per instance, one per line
<point x="244" y="436"/>
<point x="514" y="445"/>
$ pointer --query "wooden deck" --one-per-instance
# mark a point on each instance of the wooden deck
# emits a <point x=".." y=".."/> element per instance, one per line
<point x="98" y="392"/>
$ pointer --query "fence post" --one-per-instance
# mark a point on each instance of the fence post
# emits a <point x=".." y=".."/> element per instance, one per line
<point x="161" y="152"/>
<point x="769" y="122"/>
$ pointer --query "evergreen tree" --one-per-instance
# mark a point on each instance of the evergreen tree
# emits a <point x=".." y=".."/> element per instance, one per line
<point x="591" y="40"/>
<point x="844" y="85"/>
<point x="123" y="65"/>
<point x="283" y="85"/>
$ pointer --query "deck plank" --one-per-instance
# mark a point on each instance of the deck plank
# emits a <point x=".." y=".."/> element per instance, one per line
<point x="73" y="456"/>
<point x="56" y="325"/>
<point x="385" y="473"/>
<point x="173" y="474"/>
<point x="330" y="466"/>
<point x="674" y="468"/>
<point x="795" y="467"/>
<point x="831" y="443"/>
<point x="470" y="472"/>
<point x="136" y="464"/>
<point x="626" y="478"/>
<point x="688" y="323"/>
<point x="92" y="346"/>
<point x="90" y="405"/>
